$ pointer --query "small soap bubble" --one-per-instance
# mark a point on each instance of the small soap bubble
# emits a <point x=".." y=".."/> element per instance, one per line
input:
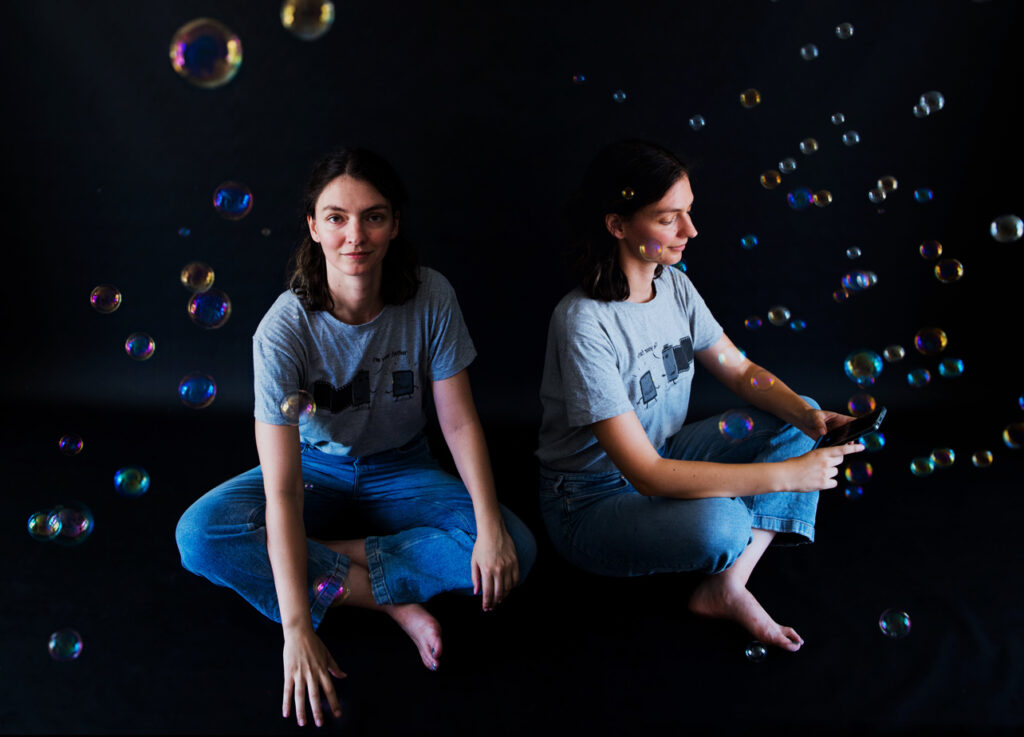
<point x="853" y="492"/>
<point x="210" y="309"/>
<point x="851" y="138"/>
<point x="771" y="179"/>
<point x="919" y="377"/>
<point x="750" y="98"/>
<point x="76" y="523"/>
<point x="951" y="368"/>
<point x="298" y="407"/>
<point x="619" y="96"/>
<point x="196" y="276"/>
<point x="131" y="481"/>
<point x="265" y="232"/>
<point x="628" y="193"/>
<point x="924" y="195"/>
<point x="930" y="250"/>
<point x="808" y="52"/>
<point x="307" y="19"/>
<point x="184" y="232"/>
<point x="579" y="78"/>
<point x="748" y="241"/>
<point x="752" y="323"/>
<point x="650" y="250"/>
<point x="779" y="315"/>
<point x="681" y="266"/>
<point x="858" y="280"/>
<point x="982" y="458"/>
<point x="876" y="195"/>
<point x="888" y="184"/>
<point x="1013" y="435"/>
<point x="863" y="367"/>
<point x="943" y="457"/>
<point x="800" y="198"/>
<point x="808" y="146"/>
<point x="762" y="381"/>
<point x="844" y="31"/>
<point x="853" y="252"/>
<point x="796" y="325"/>
<point x="894" y="624"/>
<point x="232" y="200"/>
<point x="139" y="346"/>
<point x="873" y="441"/>
<point x="105" y="299"/>
<point x="861" y="403"/>
<point x="949" y="270"/>
<point x="697" y="122"/>
<point x="735" y="424"/>
<point x="930" y="341"/>
<point x="932" y="101"/>
<point x="894" y="353"/>
<point x="206" y="53"/>
<point x="44" y="525"/>
<point x="841" y="295"/>
<point x="756" y="652"/>
<point x="858" y="471"/>
<point x="65" y="645"/>
<point x="822" y="198"/>
<point x="1006" y="228"/>
<point x="197" y="390"/>
<point x="70" y="444"/>
<point x="1020" y="401"/>
<point x="921" y="111"/>
<point x="787" y="165"/>
<point x="838" y="118"/>
<point x="731" y="356"/>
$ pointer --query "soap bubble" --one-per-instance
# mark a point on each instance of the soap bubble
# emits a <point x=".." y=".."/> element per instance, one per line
<point x="681" y="265"/>
<point x="943" y="457"/>
<point x="851" y="138"/>
<point x="841" y="295"/>
<point x="930" y="341"/>
<point x="735" y="424"/>
<point x="752" y="323"/>
<point x="756" y="652"/>
<point x="921" y="111"/>
<point x="919" y="377"/>
<point x="76" y="523"/>
<point x="853" y="492"/>
<point x="982" y="458"/>
<point x="579" y="78"/>
<point x="796" y="325"/>
<point x="858" y="471"/>
<point x="628" y="193"/>
<point x="650" y="250"/>
<point x="922" y="466"/>
<point x="298" y="407"/>
<point x="876" y="195"/>
<point x="44" y="525"/>
<point x="139" y="346"/>
<point x="307" y="19"/>
<point x="1013" y="435"/>
<point x="1006" y="228"/>
<point x="888" y="184"/>
<point x="930" y="250"/>
<point x="748" y="241"/>
<point x="771" y="179"/>
<point x="197" y="390"/>
<point x="894" y="353"/>
<point x="808" y="52"/>
<point x="210" y="309"/>
<point x="861" y="403"/>
<point x="838" y="118"/>
<point x="206" y="53"/>
<point x="197" y="276"/>
<point x="131" y="481"/>
<point x="822" y="198"/>
<point x="949" y="270"/>
<point x="800" y="198"/>
<point x="873" y="441"/>
<point x="778" y="315"/>
<point x="265" y="232"/>
<point x="787" y="165"/>
<point x="951" y="368"/>
<point x="808" y="146"/>
<point x="105" y="299"/>
<point x="750" y="97"/>
<point x="894" y="624"/>
<point x="65" y="645"/>
<point x="697" y="122"/>
<point x="853" y="252"/>
<point x="863" y="367"/>
<point x="619" y="96"/>
<point x="859" y="280"/>
<point x="932" y="101"/>
<point x="923" y="195"/>
<point x="70" y="444"/>
<point x="762" y="381"/>
<point x="844" y="31"/>
<point x="232" y="200"/>
<point x="184" y="232"/>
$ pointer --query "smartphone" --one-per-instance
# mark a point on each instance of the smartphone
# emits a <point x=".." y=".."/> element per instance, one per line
<point x="852" y="430"/>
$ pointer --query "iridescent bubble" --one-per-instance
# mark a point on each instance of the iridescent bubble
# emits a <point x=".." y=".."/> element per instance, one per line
<point x="932" y="101"/>
<point x="841" y="295"/>
<point x="779" y="315"/>
<point x="923" y="195"/>
<point x="749" y="98"/>
<point x="139" y="346"/>
<point x="943" y="457"/>
<point x="76" y="523"/>
<point x="858" y="471"/>
<point x="808" y="52"/>
<point x="771" y="179"/>
<point x="735" y="424"/>
<point x="619" y="96"/>
<point x="65" y="645"/>
<point x="131" y="481"/>
<point x="894" y="624"/>
<point x="894" y="353"/>
<point x="982" y="458"/>
<point x="184" y="232"/>
<point x="873" y="441"/>
<point x="838" y="118"/>
<point x="210" y="309"/>
<point x="752" y="323"/>
<point x="822" y="198"/>
<point x="70" y="444"/>
<point x="105" y="299"/>
<point x="919" y="377"/>
<point x="787" y="165"/>
<point x="298" y="407"/>
<point x="949" y="270"/>
<point x="756" y="652"/>
<point x="808" y="146"/>
<point x="731" y="356"/>
<point x="922" y="466"/>
<point x="697" y="122"/>
<point x="579" y="78"/>
<point x="930" y="341"/>
<point x="859" y="280"/>
<point x="951" y="368"/>
<point x="930" y="250"/>
<point x="197" y="276"/>
<point x="863" y="367"/>
<point x="650" y="250"/>
<point x="921" y="111"/>
<point x="861" y="403"/>
<point x="681" y="265"/>
<point x="851" y="138"/>
<point x="628" y="193"/>
<point x="1013" y="435"/>
<point x="796" y="325"/>
<point x="853" y="252"/>
<point x="232" y="200"/>
<point x="748" y="241"/>
<point x="762" y="381"/>
<point x="876" y="195"/>
<point x="265" y="232"/>
<point x="44" y="525"/>
<point x="206" y="53"/>
<point x="1020" y="401"/>
<point x="844" y="31"/>
<point x="307" y="19"/>
<point x="1006" y="228"/>
<point x="888" y="184"/>
<point x="197" y="390"/>
<point x="800" y="198"/>
<point x="853" y="492"/>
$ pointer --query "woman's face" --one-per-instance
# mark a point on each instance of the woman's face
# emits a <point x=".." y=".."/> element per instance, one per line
<point x="353" y="223"/>
<point x="658" y="233"/>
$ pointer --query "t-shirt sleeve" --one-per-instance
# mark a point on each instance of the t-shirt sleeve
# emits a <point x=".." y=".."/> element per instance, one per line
<point x="278" y="367"/>
<point x="449" y="346"/>
<point x="592" y="386"/>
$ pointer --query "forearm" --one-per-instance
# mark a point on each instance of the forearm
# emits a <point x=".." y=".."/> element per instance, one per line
<point x="286" y="546"/>
<point x="468" y="447"/>
<point x="764" y="390"/>
<point x="703" y="479"/>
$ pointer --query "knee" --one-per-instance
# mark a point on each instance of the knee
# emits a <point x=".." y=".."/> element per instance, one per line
<point x="193" y="542"/>
<point x="721" y="539"/>
<point x="526" y="544"/>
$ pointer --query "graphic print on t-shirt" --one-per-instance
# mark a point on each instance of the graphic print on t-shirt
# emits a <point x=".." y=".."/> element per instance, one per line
<point x="676" y="359"/>
<point x="353" y="394"/>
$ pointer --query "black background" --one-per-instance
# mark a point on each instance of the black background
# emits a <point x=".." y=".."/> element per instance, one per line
<point x="107" y="153"/>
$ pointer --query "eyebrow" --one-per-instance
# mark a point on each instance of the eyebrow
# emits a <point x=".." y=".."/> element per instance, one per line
<point x="336" y="208"/>
<point x="671" y="209"/>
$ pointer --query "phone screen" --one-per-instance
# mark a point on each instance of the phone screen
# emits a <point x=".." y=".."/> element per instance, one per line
<point x="852" y="430"/>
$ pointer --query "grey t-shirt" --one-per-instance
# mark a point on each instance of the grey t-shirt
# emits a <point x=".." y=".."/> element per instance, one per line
<point x="368" y="381"/>
<point x="604" y="359"/>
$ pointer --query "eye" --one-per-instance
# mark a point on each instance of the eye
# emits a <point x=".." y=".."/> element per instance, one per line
<point x="334" y="218"/>
<point x="669" y="221"/>
<point x="376" y="217"/>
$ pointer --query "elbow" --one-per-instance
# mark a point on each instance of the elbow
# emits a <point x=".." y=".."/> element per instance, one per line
<point x="645" y="482"/>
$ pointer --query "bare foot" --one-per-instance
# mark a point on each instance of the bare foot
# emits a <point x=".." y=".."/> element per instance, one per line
<point x="424" y="630"/>
<point x="718" y="599"/>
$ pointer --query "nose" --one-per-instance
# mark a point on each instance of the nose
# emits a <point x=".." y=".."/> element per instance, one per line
<point x="686" y="229"/>
<point x="354" y="232"/>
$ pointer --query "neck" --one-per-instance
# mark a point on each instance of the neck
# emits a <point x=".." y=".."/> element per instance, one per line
<point x="357" y="299"/>
<point x="639" y="274"/>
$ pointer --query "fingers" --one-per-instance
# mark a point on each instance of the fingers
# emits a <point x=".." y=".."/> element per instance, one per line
<point x="299" y="696"/>
<point x="332" y="698"/>
<point x="286" y="706"/>
<point x="488" y="589"/>
<point x="475" y="573"/>
<point x="851" y="447"/>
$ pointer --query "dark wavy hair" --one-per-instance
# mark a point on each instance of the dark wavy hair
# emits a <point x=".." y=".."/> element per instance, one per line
<point x="308" y="270"/>
<point x="623" y="178"/>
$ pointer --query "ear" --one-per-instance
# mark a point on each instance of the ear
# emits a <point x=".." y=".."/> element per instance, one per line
<point x="311" y="222"/>
<point x="613" y="222"/>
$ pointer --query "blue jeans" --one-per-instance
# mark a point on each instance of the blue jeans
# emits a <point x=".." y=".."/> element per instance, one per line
<point x="417" y="520"/>
<point x="601" y="524"/>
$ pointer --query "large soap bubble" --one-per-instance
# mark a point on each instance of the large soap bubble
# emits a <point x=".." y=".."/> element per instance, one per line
<point x="131" y="481"/>
<point x="233" y="200"/>
<point x="197" y="390"/>
<point x="140" y="346"/>
<point x="298" y="407"/>
<point x="210" y="309"/>
<point x="307" y="19"/>
<point x="1006" y="228"/>
<point x="206" y="53"/>
<point x="863" y="367"/>
<point x="196" y="276"/>
<point x="105" y="299"/>
<point x="65" y="645"/>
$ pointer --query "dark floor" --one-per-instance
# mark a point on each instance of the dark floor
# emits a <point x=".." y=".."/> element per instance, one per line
<point x="569" y="653"/>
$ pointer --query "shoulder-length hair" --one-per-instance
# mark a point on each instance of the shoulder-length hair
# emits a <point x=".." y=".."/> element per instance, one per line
<point x="308" y="269"/>
<point x="623" y="178"/>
